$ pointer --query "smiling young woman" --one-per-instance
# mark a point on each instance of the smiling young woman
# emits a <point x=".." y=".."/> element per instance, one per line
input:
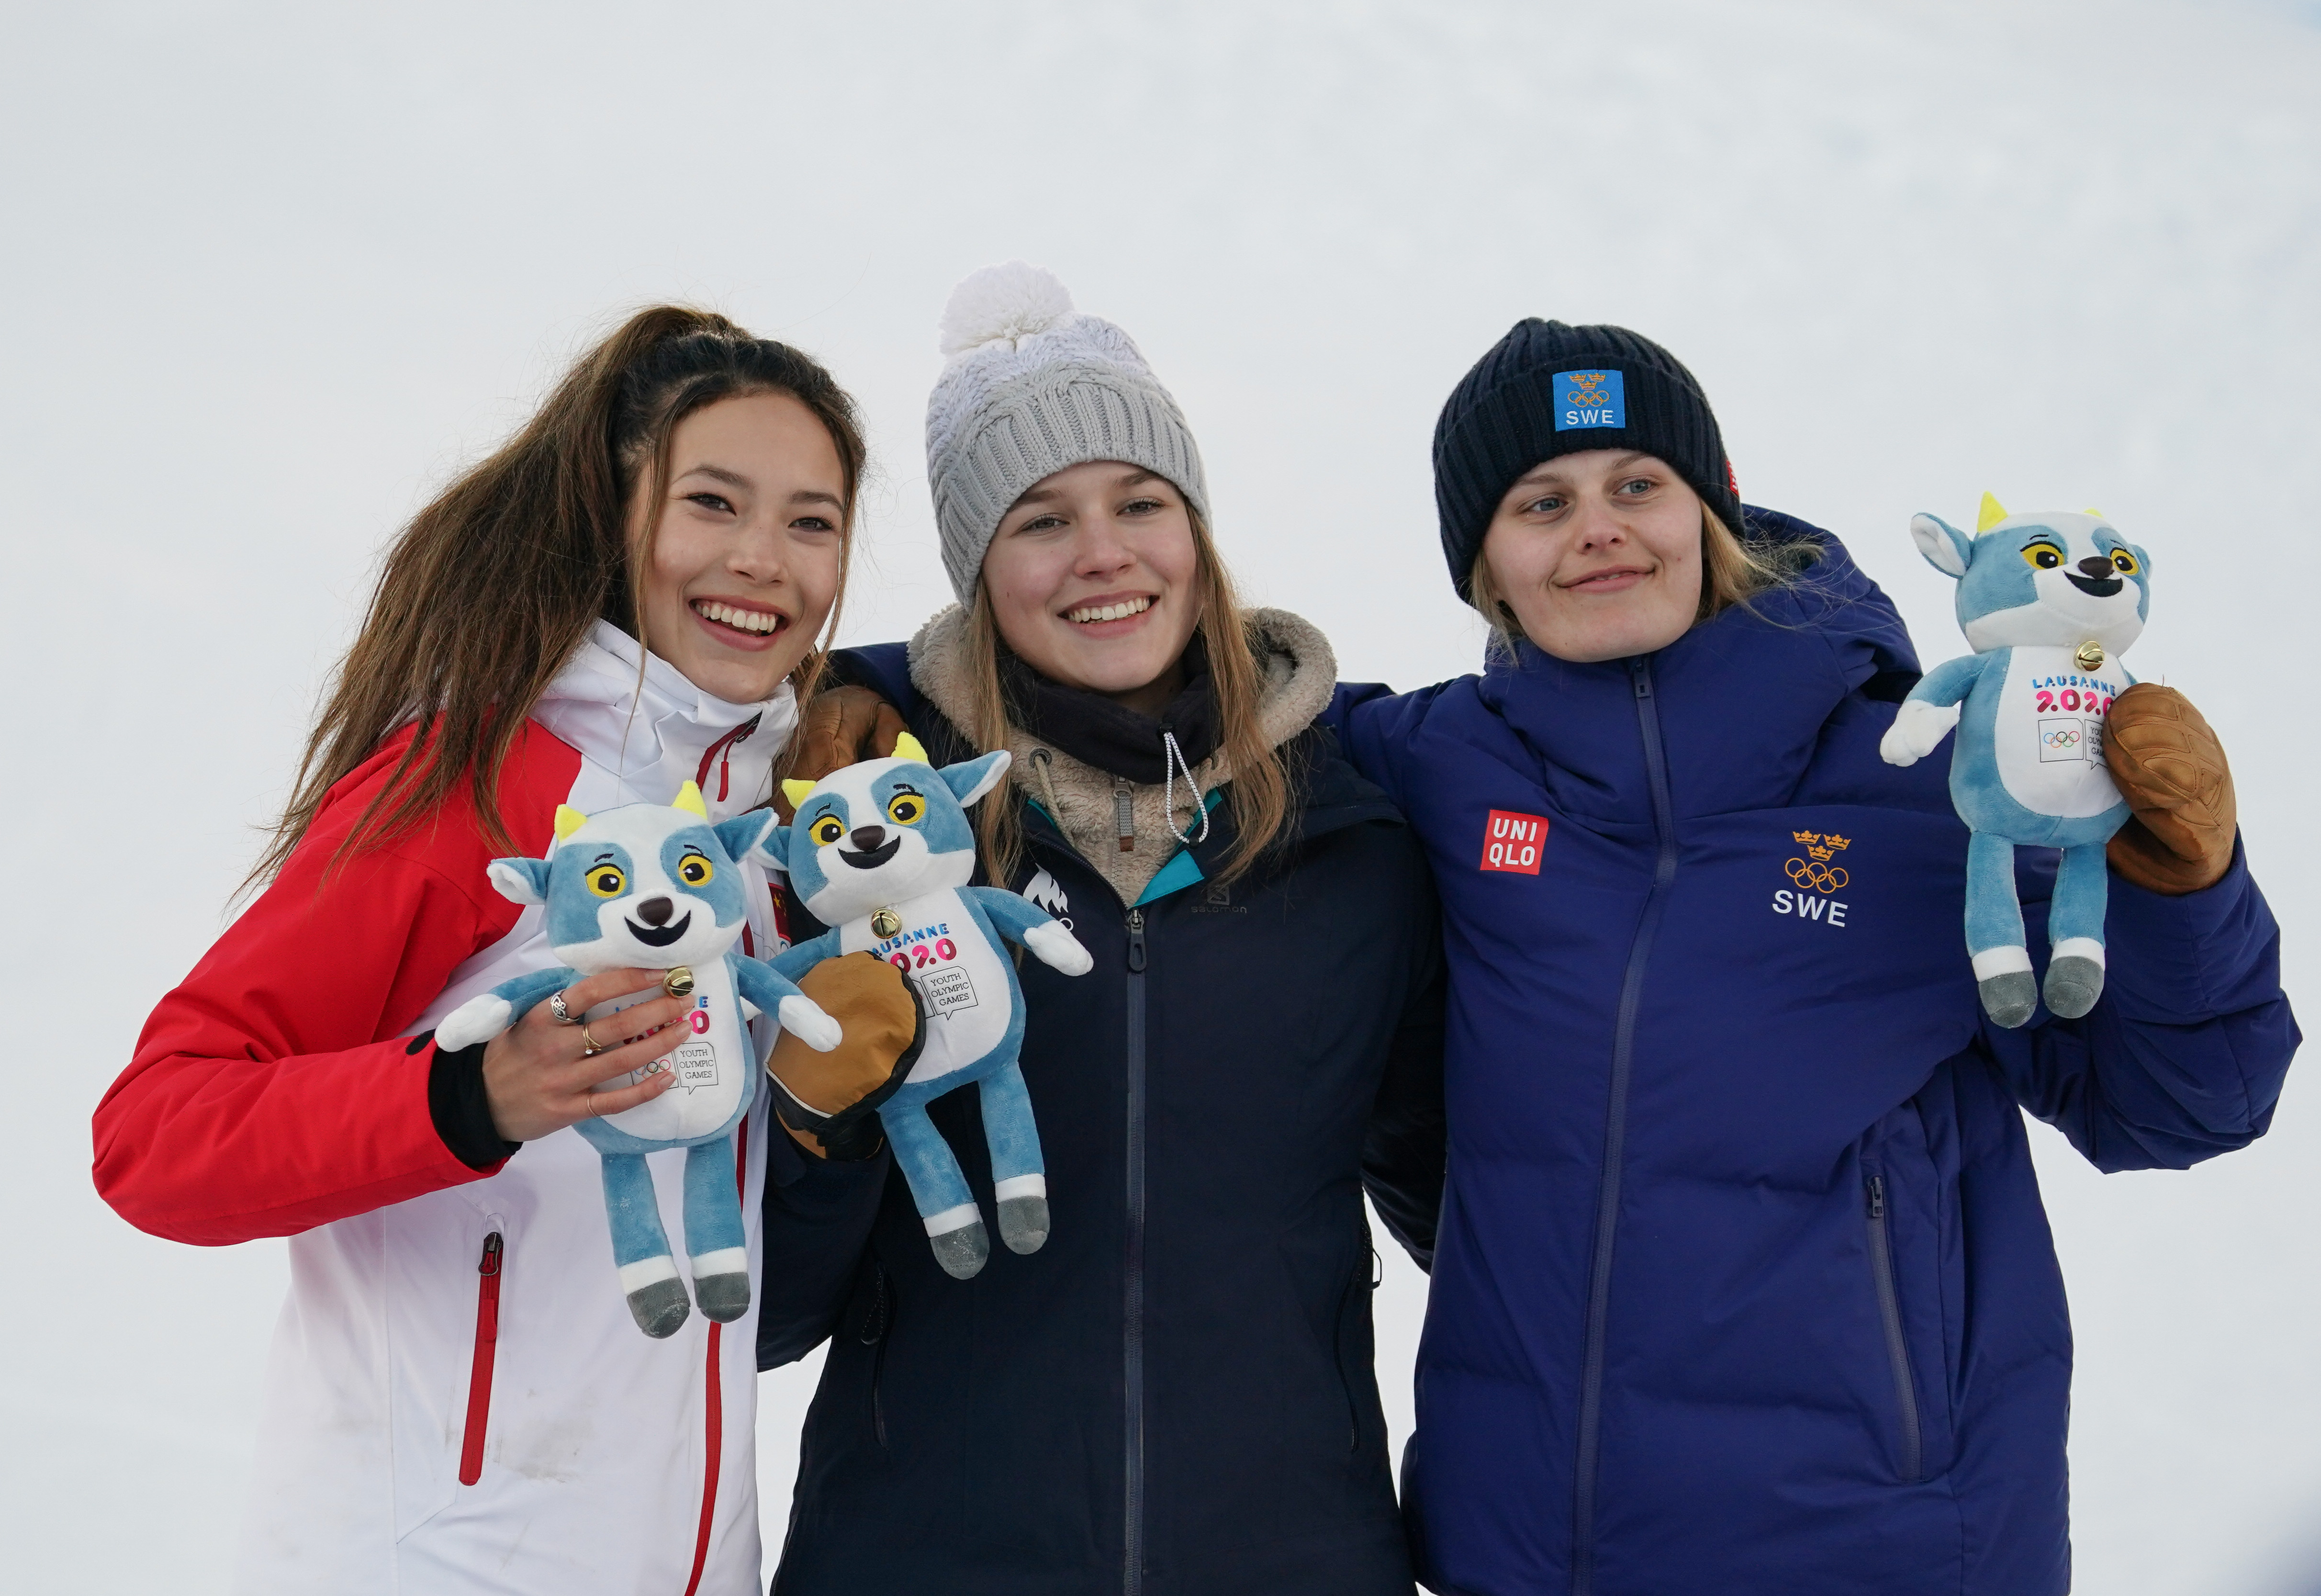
<point x="1606" y="552"/>
<point x="1743" y="1282"/>
<point x="1175" y="1392"/>
<point x="1099" y="579"/>
<point x="745" y="559"/>
<point x="625" y="597"/>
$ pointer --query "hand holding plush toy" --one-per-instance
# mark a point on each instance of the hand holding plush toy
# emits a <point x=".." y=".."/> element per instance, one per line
<point x="882" y="852"/>
<point x="657" y="887"/>
<point x="2172" y="769"/>
<point x="2050" y="602"/>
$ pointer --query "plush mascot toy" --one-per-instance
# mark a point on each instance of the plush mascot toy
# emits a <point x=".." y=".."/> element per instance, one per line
<point x="882" y="852"/>
<point x="657" y="888"/>
<point x="2049" y="602"/>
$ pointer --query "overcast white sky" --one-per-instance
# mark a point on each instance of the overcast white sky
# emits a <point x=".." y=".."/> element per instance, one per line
<point x="272" y="272"/>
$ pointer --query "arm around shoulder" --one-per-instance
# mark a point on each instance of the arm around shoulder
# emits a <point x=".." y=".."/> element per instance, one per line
<point x="1374" y="725"/>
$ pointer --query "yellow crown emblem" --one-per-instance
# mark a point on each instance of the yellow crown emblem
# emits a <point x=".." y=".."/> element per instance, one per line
<point x="1823" y="845"/>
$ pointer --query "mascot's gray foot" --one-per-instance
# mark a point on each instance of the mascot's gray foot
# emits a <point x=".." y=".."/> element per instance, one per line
<point x="723" y="1297"/>
<point x="1024" y="1223"/>
<point x="661" y="1306"/>
<point x="962" y="1252"/>
<point x="2074" y="985"/>
<point x="2009" y="998"/>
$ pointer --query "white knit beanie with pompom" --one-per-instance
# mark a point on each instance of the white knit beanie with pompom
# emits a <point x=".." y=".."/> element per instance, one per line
<point x="1032" y="387"/>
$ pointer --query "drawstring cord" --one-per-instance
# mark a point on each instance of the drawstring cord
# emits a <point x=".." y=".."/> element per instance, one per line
<point x="1124" y="797"/>
<point x="1041" y="760"/>
<point x="1175" y="761"/>
<point x="725" y="746"/>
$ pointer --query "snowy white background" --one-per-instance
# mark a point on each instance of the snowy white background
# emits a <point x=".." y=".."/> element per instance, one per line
<point x="272" y="272"/>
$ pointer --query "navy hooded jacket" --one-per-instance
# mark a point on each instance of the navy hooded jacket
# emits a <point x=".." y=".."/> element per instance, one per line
<point x="1743" y="1282"/>
<point x="1174" y="1396"/>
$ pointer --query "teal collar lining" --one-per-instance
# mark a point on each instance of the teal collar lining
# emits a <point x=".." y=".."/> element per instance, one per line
<point x="1179" y="872"/>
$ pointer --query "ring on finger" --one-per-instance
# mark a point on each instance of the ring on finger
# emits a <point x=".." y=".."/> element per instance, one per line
<point x="593" y="1111"/>
<point x="564" y="1016"/>
<point x="589" y="1046"/>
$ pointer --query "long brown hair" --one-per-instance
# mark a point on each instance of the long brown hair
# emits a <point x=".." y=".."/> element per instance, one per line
<point x="1258" y="786"/>
<point x="492" y="587"/>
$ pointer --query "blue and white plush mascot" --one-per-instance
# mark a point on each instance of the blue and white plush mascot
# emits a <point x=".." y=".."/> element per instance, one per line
<point x="657" y="888"/>
<point x="882" y="852"/>
<point x="2050" y="602"/>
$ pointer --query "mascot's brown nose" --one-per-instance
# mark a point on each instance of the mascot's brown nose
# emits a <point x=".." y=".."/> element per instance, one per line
<point x="655" y="911"/>
<point x="2094" y="565"/>
<point x="867" y="837"/>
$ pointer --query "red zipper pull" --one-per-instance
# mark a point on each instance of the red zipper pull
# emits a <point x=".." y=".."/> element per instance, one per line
<point x="479" y="1372"/>
<point x="722" y="750"/>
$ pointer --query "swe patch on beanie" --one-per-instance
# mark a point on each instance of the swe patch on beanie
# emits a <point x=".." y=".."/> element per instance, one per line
<point x="1549" y="388"/>
<point x="1590" y="398"/>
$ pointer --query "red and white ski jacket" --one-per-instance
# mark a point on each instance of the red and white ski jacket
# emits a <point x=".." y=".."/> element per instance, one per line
<point x="459" y="1399"/>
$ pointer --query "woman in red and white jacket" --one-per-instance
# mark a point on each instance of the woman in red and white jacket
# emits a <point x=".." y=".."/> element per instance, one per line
<point x="631" y="593"/>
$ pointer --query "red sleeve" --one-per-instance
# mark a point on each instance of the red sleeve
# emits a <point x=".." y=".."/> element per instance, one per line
<point x="272" y="1090"/>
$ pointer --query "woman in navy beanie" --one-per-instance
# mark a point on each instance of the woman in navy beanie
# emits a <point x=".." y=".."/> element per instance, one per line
<point x="1740" y="1281"/>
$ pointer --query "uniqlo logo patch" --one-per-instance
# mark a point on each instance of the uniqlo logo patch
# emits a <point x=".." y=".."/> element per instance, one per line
<point x="1513" y="842"/>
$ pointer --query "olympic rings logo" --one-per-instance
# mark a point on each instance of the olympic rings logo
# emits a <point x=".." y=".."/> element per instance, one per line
<point x="1813" y="873"/>
<point x="2060" y="738"/>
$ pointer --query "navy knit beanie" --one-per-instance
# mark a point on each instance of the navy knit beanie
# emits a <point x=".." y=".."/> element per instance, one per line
<point x="1547" y="390"/>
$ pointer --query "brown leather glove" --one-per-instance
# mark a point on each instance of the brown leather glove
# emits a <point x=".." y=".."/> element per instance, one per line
<point x="2170" y="769"/>
<point x="828" y="1102"/>
<point x="840" y="728"/>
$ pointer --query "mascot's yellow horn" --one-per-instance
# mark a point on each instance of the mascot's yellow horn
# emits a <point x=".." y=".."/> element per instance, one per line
<point x="2099" y="514"/>
<point x="567" y="821"/>
<point x="1993" y="513"/>
<point x="905" y="747"/>
<point x="688" y="798"/>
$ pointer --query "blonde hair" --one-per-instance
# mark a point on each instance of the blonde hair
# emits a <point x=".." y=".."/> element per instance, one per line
<point x="1731" y="573"/>
<point x="1258" y="784"/>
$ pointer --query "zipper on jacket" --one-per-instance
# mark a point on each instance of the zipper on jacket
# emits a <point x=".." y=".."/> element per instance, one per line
<point x="713" y="1394"/>
<point x="1132" y="1572"/>
<point x="876" y="1322"/>
<point x="480" y="1372"/>
<point x="1898" y="1349"/>
<point x="1615" y="1134"/>
<point x="1376" y="1273"/>
<point x="1338" y="1357"/>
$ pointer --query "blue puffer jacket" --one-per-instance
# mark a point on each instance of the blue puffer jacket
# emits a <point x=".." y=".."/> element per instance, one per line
<point x="1743" y="1282"/>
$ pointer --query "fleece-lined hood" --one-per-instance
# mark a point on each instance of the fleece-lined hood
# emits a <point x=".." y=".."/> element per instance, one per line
<point x="1298" y="670"/>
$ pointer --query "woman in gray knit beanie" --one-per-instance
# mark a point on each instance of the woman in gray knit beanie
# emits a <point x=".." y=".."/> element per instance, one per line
<point x="1048" y="427"/>
<point x="1178" y="1387"/>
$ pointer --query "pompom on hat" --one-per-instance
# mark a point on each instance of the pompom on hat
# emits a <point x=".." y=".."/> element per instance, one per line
<point x="1032" y="387"/>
